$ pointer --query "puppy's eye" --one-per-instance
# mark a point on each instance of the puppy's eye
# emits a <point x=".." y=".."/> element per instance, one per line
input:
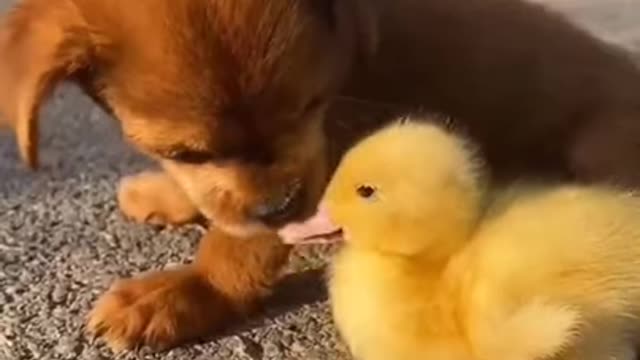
<point x="189" y="156"/>
<point x="367" y="192"/>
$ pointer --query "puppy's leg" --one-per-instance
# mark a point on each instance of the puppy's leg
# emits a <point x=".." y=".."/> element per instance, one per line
<point x="227" y="280"/>
<point x="608" y="150"/>
<point x="154" y="197"/>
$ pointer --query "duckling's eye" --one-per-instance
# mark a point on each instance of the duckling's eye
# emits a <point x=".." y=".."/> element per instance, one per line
<point x="366" y="191"/>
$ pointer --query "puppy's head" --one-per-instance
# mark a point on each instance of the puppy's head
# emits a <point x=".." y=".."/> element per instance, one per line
<point x="229" y="95"/>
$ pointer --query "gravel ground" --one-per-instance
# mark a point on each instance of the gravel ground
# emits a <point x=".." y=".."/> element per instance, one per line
<point x="62" y="240"/>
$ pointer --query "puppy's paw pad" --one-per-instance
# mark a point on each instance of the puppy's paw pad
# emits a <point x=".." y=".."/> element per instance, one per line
<point x="158" y="311"/>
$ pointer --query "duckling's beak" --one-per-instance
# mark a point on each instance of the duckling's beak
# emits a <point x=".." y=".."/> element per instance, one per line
<point x="318" y="229"/>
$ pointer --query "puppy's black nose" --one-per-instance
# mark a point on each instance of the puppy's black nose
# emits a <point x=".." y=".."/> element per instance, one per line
<point x="280" y="210"/>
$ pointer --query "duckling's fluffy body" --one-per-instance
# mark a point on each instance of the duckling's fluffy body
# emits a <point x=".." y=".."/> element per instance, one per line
<point x="525" y="273"/>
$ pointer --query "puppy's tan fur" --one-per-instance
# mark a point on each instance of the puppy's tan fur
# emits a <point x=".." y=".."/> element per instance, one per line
<point x="230" y="97"/>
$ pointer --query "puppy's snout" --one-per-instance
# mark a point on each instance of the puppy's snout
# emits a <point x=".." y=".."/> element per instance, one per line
<point x="279" y="210"/>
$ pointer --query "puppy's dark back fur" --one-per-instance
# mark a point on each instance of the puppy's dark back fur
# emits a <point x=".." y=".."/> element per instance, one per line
<point x="522" y="80"/>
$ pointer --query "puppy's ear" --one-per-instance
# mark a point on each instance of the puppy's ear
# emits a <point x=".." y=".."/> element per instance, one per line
<point x="41" y="42"/>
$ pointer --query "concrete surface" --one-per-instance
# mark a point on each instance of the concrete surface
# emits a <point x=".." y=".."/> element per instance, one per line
<point x="62" y="240"/>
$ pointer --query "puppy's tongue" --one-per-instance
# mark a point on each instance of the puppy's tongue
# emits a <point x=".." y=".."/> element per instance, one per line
<point x="319" y="229"/>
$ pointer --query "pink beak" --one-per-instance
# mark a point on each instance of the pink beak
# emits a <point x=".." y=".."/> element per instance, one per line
<point x="317" y="229"/>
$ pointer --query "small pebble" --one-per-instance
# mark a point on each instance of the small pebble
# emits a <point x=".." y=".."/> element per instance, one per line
<point x="59" y="293"/>
<point x="68" y="346"/>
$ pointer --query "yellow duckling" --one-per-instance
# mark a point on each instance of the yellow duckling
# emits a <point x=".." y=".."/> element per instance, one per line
<point x="436" y="267"/>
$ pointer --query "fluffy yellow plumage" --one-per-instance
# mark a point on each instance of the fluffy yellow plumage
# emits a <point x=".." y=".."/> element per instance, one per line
<point x="436" y="266"/>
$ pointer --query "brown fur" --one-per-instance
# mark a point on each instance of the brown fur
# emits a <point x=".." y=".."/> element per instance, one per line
<point x="230" y="97"/>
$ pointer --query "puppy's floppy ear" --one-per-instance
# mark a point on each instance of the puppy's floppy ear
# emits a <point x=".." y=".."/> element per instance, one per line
<point x="41" y="42"/>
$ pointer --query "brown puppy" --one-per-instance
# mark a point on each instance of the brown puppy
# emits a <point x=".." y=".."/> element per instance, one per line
<point x="230" y="97"/>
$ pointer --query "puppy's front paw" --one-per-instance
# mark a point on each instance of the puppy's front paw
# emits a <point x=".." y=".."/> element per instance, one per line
<point x="154" y="198"/>
<point x="159" y="310"/>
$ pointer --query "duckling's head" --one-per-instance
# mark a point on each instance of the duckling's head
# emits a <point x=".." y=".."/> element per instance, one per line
<point x="411" y="188"/>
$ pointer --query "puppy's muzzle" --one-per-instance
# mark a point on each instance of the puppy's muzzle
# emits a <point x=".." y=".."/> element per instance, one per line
<point x="279" y="210"/>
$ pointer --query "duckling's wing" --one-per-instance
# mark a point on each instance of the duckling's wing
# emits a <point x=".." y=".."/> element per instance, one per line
<point x="538" y="329"/>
